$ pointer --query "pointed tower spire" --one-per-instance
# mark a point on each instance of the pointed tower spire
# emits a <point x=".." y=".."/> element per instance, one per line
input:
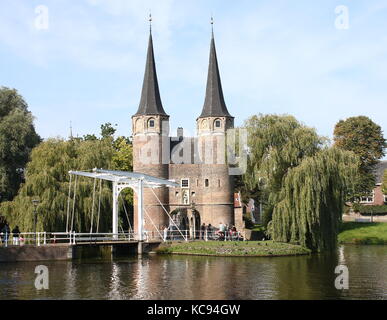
<point x="150" y="103"/>
<point x="214" y="105"/>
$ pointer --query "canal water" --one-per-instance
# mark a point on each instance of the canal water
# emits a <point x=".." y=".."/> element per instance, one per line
<point x="192" y="277"/>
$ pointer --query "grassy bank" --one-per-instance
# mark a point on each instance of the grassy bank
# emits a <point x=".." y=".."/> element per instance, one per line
<point x="233" y="248"/>
<point x="363" y="233"/>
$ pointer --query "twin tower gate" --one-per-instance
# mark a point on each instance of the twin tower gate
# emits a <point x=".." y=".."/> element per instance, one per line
<point x="122" y="180"/>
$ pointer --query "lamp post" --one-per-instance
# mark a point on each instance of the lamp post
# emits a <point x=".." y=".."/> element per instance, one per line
<point x="35" y="203"/>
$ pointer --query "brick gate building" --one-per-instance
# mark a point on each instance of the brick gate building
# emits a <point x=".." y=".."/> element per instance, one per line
<point x="196" y="163"/>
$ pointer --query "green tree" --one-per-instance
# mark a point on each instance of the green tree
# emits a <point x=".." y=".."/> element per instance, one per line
<point x="276" y="143"/>
<point x="107" y="130"/>
<point x="17" y="138"/>
<point x="123" y="157"/>
<point x="89" y="137"/>
<point x="302" y="182"/>
<point x="312" y="199"/>
<point x="47" y="180"/>
<point x="365" y="138"/>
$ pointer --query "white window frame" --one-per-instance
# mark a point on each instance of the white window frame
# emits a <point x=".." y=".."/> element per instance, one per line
<point x="181" y="183"/>
<point x="369" y="199"/>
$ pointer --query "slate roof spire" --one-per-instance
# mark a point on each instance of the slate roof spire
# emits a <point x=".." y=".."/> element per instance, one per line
<point x="150" y="103"/>
<point x="214" y="105"/>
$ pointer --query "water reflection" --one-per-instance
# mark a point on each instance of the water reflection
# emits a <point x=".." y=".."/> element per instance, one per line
<point x="189" y="277"/>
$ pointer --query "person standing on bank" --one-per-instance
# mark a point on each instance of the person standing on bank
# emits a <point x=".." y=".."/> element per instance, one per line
<point x="6" y="232"/>
<point x="202" y="231"/>
<point x="165" y="233"/>
<point x="15" y="236"/>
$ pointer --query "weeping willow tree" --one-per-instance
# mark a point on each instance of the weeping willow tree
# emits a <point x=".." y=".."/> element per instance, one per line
<point x="312" y="199"/>
<point x="276" y="143"/>
<point x="47" y="180"/>
<point x="303" y="182"/>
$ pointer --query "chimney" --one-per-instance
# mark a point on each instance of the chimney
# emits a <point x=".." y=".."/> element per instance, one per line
<point x="180" y="132"/>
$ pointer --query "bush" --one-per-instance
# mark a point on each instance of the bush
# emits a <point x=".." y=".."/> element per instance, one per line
<point x="370" y="210"/>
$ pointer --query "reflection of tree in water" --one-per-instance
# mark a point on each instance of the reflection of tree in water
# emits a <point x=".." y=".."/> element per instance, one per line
<point x="306" y="277"/>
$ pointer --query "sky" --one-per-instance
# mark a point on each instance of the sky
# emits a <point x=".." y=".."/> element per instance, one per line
<point x="82" y="62"/>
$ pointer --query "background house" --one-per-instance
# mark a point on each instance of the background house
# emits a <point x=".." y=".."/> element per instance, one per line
<point x="377" y="197"/>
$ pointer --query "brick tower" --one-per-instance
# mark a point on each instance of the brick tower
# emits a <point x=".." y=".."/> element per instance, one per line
<point x="150" y="128"/>
<point x="212" y="125"/>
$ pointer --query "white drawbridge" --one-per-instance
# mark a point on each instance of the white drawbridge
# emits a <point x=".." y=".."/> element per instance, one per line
<point x="122" y="180"/>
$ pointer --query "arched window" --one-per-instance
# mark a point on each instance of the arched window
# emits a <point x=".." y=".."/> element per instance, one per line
<point x="206" y="183"/>
<point x="151" y="123"/>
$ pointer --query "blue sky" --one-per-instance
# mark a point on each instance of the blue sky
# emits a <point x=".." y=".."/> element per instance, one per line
<point x="274" y="56"/>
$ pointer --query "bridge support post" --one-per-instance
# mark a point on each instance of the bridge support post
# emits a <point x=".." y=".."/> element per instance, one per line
<point x="140" y="248"/>
<point x="140" y="211"/>
<point x="115" y="210"/>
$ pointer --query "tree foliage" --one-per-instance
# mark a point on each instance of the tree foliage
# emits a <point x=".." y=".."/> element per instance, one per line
<point x="47" y="180"/>
<point x="365" y="138"/>
<point x="107" y="130"/>
<point x="17" y="138"/>
<point x="302" y="182"/>
<point x="312" y="199"/>
<point x="276" y="143"/>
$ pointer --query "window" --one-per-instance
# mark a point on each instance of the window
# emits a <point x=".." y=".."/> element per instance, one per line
<point x="385" y="198"/>
<point x="185" y="183"/>
<point x="218" y="123"/>
<point x="368" y="199"/>
<point x="219" y="183"/>
<point x="151" y="123"/>
<point x="207" y="183"/>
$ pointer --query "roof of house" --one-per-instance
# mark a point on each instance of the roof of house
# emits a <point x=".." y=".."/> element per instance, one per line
<point x="214" y="105"/>
<point x="379" y="171"/>
<point x="150" y="103"/>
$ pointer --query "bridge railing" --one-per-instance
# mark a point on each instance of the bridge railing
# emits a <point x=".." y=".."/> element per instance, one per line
<point x="49" y="238"/>
<point x="190" y="235"/>
<point x="45" y="238"/>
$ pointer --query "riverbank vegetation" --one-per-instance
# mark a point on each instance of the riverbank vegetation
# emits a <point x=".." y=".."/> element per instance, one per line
<point x="363" y="233"/>
<point x="365" y="138"/>
<point x="233" y="248"/>
<point x="47" y="180"/>
<point x="302" y="181"/>
<point x="17" y="139"/>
